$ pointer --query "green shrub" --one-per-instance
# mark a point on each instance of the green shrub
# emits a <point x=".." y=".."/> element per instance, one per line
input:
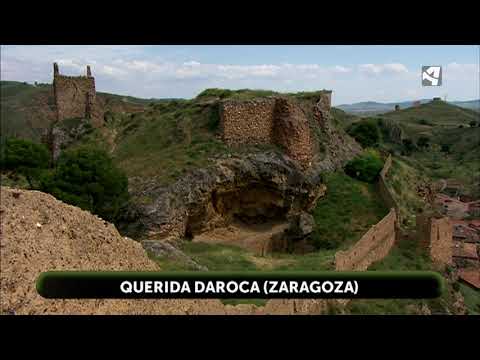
<point x="365" y="167"/>
<point x="408" y="146"/>
<point x="445" y="148"/>
<point x="87" y="178"/>
<point x="220" y="93"/>
<point x="26" y="158"/>
<point x="425" y="122"/>
<point x="423" y="142"/>
<point x="366" y="133"/>
<point x="24" y="154"/>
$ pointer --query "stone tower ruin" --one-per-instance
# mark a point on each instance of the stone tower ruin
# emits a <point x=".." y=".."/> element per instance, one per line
<point x="435" y="234"/>
<point x="75" y="96"/>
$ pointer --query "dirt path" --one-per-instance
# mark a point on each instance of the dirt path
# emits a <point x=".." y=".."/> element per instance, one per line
<point x="250" y="237"/>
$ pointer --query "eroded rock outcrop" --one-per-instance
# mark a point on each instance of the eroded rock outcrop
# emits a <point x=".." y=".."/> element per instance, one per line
<point x="254" y="187"/>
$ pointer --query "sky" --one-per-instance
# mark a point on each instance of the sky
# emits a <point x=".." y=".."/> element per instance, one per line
<point x="354" y="73"/>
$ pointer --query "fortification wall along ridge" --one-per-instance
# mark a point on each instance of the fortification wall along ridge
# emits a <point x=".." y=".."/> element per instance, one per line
<point x="374" y="245"/>
<point x="383" y="189"/>
<point x="271" y="120"/>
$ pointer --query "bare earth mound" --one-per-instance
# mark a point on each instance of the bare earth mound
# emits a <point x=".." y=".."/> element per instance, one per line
<point x="40" y="233"/>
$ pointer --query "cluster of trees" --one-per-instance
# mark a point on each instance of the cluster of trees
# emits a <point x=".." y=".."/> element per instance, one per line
<point x="85" y="177"/>
<point x="366" y="133"/>
<point x="365" y="167"/>
<point x="423" y="143"/>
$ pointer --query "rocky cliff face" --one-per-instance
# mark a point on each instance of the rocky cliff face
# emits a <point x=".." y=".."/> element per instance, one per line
<point x="62" y="134"/>
<point x="254" y="187"/>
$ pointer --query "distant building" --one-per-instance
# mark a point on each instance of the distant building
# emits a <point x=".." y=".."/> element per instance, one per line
<point x="470" y="276"/>
<point x="450" y="206"/>
<point x="474" y="208"/>
<point x="466" y="230"/>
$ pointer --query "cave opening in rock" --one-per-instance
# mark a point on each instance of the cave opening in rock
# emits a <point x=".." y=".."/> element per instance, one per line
<point x="251" y="204"/>
<point x="246" y="216"/>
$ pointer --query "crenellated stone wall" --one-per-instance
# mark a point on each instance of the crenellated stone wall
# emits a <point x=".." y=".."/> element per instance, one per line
<point x="374" y="245"/>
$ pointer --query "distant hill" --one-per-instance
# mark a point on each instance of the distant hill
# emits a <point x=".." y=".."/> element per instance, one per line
<point x="471" y="104"/>
<point x="433" y="114"/>
<point x="369" y="108"/>
<point x="444" y="124"/>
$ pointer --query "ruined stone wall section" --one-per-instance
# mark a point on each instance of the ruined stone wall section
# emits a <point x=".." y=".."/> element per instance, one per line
<point x="441" y="247"/>
<point x="75" y="97"/>
<point x="436" y="235"/>
<point x="374" y="245"/>
<point x="386" y="167"/>
<point x="272" y="120"/>
<point x="247" y="122"/>
<point x="383" y="189"/>
<point x="291" y="131"/>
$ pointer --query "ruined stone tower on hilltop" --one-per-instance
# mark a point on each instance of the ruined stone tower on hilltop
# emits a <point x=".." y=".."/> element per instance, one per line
<point x="75" y="96"/>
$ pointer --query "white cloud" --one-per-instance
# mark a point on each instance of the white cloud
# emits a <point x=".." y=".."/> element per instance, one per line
<point x="341" y="69"/>
<point x="112" y="71"/>
<point x="456" y="71"/>
<point x="133" y="70"/>
<point x="72" y="65"/>
<point x="377" y="69"/>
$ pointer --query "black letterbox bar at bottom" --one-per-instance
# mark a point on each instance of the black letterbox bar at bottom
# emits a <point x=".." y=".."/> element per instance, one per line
<point x="240" y="285"/>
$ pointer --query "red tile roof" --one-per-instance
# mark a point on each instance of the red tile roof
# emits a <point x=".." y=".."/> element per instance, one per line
<point x="471" y="276"/>
<point x="465" y="250"/>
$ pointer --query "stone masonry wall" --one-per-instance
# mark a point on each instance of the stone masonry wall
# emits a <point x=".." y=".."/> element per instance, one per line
<point x="291" y="131"/>
<point x="373" y="246"/>
<point x="386" y="166"/>
<point x="272" y="120"/>
<point x="383" y="189"/>
<point x="247" y="122"/>
<point x="75" y="97"/>
<point x="436" y="234"/>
